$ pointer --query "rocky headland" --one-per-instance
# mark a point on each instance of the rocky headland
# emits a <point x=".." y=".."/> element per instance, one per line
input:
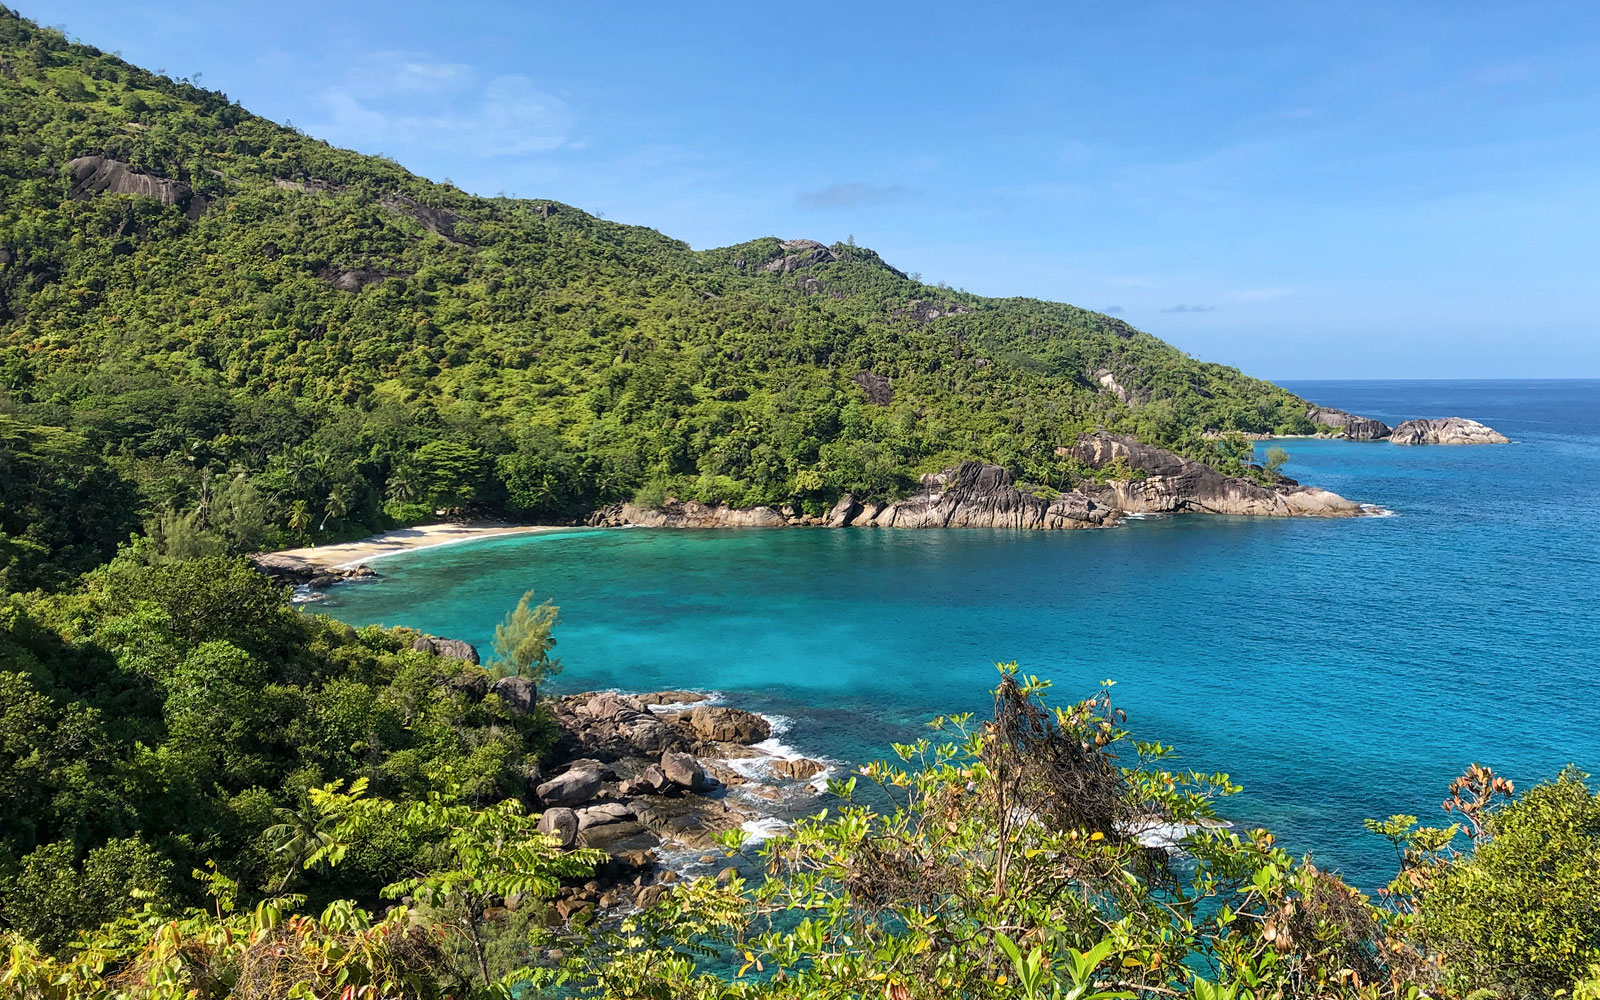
<point x="1171" y="484"/>
<point x="1444" y="430"/>
<point x="980" y="495"/>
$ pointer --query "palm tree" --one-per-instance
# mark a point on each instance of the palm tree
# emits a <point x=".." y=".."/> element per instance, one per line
<point x="298" y="834"/>
<point x="338" y="504"/>
<point x="299" y="518"/>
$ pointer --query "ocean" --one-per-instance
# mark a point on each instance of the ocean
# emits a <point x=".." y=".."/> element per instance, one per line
<point x="1337" y="669"/>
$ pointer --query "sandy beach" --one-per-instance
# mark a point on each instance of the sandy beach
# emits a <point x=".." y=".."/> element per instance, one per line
<point x="330" y="557"/>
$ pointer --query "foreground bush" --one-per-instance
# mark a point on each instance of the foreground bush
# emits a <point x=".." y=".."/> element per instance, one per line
<point x="1021" y="857"/>
<point x="169" y="714"/>
<point x="1027" y="856"/>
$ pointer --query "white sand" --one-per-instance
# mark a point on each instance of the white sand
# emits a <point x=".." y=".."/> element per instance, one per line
<point x="403" y="540"/>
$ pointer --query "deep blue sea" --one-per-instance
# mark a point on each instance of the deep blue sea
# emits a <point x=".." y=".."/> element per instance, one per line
<point x="1337" y="669"/>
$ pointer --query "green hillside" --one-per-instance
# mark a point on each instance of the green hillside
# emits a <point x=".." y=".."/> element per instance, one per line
<point x="270" y="339"/>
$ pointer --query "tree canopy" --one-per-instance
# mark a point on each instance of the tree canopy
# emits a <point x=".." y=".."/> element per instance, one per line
<point x="279" y="341"/>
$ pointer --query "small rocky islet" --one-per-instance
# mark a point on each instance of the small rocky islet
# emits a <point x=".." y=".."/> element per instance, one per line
<point x="1443" y="430"/>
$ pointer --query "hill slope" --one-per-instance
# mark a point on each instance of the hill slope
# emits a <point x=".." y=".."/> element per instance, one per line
<point x="274" y="339"/>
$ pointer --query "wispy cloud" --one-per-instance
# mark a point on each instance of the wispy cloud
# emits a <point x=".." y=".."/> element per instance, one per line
<point x="1180" y="308"/>
<point x="396" y="102"/>
<point x="854" y="194"/>
<point x="1262" y="294"/>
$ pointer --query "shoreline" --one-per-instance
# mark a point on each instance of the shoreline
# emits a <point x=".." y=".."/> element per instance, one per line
<point x="345" y="555"/>
<point x="342" y="557"/>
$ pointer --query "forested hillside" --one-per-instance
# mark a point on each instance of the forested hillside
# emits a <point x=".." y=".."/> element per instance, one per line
<point x="262" y="339"/>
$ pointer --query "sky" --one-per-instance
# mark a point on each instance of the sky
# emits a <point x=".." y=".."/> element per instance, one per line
<point x="1350" y="190"/>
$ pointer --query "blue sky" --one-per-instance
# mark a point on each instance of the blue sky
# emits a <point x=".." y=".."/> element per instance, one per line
<point x="1303" y="190"/>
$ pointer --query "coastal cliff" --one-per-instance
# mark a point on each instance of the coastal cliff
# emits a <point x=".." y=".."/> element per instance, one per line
<point x="976" y="495"/>
<point x="981" y="495"/>
<point x="970" y="495"/>
<point x="1172" y="484"/>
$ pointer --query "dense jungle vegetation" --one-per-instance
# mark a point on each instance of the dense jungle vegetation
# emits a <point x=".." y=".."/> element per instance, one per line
<point x="281" y="341"/>
<point x="211" y="794"/>
<point x="264" y="340"/>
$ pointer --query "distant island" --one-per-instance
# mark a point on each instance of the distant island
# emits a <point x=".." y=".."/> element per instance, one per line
<point x="1446" y="430"/>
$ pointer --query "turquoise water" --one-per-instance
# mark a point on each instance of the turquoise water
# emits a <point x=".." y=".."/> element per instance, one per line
<point x="1337" y="669"/>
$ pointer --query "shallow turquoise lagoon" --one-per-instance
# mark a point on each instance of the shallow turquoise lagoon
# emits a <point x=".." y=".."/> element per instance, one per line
<point x="1337" y="669"/>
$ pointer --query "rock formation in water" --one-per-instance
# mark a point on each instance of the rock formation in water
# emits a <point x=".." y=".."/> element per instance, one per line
<point x="632" y="775"/>
<point x="639" y="774"/>
<point x="1447" y="430"/>
<point x="295" y="570"/>
<point x="1173" y="484"/>
<point x="1348" y="424"/>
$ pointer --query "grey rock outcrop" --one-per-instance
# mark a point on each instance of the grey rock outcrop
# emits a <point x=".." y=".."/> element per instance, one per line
<point x="879" y="390"/>
<point x="656" y="698"/>
<point x="977" y="495"/>
<point x="92" y="175"/>
<point x="611" y="795"/>
<point x="603" y="814"/>
<point x="927" y="310"/>
<point x="519" y="693"/>
<point x="1348" y="424"/>
<point x="285" y="568"/>
<point x="354" y="279"/>
<point x="450" y="649"/>
<point x="1123" y="386"/>
<point x="653" y="779"/>
<point x="438" y="221"/>
<point x="560" y="822"/>
<point x="798" y="768"/>
<point x="311" y="185"/>
<point x="293" y="570"/>
<point x="1447" y="430"/>
<point x="1169" y="483"/>
<point x="616" y="725"/>
<point x="843" y="511"/>
<point x="574" y="787"/>
<point x="693" y="514"/>
<point x="806" y="252"/>
<point x="728" y="725"/>
<point x="683" y="770"/>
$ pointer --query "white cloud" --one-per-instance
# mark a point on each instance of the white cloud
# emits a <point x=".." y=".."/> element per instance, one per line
<point x="400" y="104"/>
<point x="389" y="74"/>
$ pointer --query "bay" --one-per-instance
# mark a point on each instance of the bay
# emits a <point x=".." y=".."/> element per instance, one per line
<point x="1336" y="669"/>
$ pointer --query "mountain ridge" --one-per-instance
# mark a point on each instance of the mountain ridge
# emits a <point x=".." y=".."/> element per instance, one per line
<point x="276" y="340"/>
